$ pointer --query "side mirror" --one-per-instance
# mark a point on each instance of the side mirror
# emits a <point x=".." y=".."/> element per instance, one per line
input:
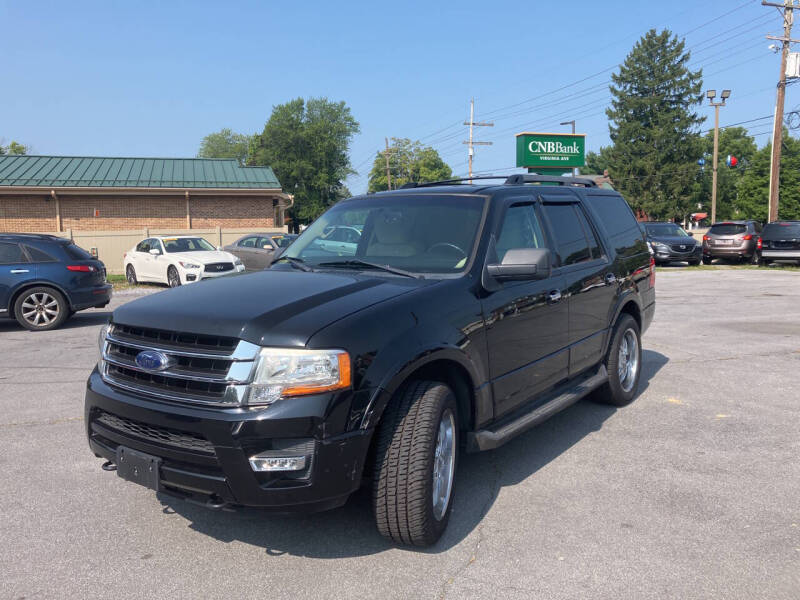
<point x="521" y="264"/>
<point x="155" y="251"/>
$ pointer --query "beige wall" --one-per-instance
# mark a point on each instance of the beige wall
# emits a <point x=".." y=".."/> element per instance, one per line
<point x="111" y="245"/>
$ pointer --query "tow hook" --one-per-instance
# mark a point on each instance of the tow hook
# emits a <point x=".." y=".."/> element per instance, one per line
<point x="108" y="466"/>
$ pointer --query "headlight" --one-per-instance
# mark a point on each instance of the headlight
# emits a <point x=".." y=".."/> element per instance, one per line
<point x="282" y="373"/>
<point x="188" y="265"/>
<point x="101" y="343"/>
<point x="237" y="262"/>
<point x="659" y="246"/>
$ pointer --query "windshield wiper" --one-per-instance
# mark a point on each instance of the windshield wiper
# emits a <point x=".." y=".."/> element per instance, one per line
<point x="297" y="263"/>
<point x="356" y="262"/>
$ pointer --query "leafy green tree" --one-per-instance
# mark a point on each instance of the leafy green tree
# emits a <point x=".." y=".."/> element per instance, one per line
<point x="597" y="162"/>
<point x="14" y="148"/>
<point x="408" y="162"/>
<point x="753" y="196"/>
<point x="225" y="144"/>
<point x="653" y="126"/>
<point x="734" y="141"/>
<point x="307" y="142"/>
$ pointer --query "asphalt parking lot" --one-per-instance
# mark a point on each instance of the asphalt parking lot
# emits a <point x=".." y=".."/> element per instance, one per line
<point x="692" y="491"/>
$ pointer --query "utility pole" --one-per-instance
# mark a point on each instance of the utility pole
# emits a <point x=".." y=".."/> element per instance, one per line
<point x="574" y="170"/>
<point x="711" y="94"/>
<point x="788" y="7"/>
<point x="471" y="142"/>
<point x="388" y="170"/>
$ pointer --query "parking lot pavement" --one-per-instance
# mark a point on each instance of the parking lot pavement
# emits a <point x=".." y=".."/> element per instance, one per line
<point x="692" y="491"/>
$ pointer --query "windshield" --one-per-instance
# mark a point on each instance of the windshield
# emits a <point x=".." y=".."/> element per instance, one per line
<point x="283" y="240"/>
<point x="186" y="244"/>
<point x="727" y="229"/>
<point x="421" y="234"/>
<point x="781" y="231"/>
<point x="665" y="230"/>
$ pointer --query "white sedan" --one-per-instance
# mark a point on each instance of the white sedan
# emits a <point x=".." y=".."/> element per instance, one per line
<point x="178" y="260"/>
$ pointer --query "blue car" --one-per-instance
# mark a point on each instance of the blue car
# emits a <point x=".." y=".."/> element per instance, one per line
<point x="44" y="279"/>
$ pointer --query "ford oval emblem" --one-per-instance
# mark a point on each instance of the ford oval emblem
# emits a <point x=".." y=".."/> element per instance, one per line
<point x="151" y="360"/>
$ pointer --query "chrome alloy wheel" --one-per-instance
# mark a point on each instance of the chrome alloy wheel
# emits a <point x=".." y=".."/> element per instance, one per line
<point x="40" y="309"/>
<point x="444" y="462"/>
<point x="628" y="362"/>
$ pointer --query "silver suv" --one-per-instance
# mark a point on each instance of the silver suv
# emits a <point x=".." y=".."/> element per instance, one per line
<point x="732" y="240"/>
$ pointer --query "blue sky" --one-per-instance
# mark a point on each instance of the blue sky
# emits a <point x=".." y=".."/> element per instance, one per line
<point x="151" y="79"/>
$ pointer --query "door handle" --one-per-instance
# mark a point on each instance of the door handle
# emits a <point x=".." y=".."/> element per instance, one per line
<point x="610" y="278"/>
<point x="554" y="297"/>
<point x="20" y="271"/>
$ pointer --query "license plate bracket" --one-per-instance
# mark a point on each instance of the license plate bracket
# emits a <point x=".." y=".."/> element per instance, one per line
<point x="138" y="467"/>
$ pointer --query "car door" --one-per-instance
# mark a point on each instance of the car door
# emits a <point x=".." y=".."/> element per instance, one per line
<point x="139" y="260"/>
<point x="526" y="320"/>
<point x="15" y="269"/>
<point x="245" y="250"/>
<point x="590" y="282"/>
<point x="157" y="264"/>
<point x="265" y="251"/>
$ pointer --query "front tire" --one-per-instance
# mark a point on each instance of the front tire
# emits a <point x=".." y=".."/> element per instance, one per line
<point x="415" y="462"/>
<point x="173" y="278"/>
<point x="41" y="309"/>
<point x="623" y="363"/>
<point x="130" y="275"/>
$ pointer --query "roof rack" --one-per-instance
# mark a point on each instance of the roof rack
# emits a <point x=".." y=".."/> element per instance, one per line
<point x="519" y="178"/>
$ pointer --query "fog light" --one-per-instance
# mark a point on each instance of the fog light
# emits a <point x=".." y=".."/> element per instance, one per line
<point x="277" y="463"/>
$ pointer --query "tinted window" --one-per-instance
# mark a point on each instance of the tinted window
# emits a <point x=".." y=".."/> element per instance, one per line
<point x="11" y="254"/>
<point x="617" y="219"/>
<point x="38" y="255"/>
<point x="781" y="231"/>
<point x="283" y="241"/>
<point x="248" y="242"/>
<point x="665" y="229"/>
<point x="594" y="246"/>
<point x="757" y="225"/>
<point x="143" y="246"/>
<point x="570" y="238"/>
<point x="186" y="245"/>
<point x="77" y="253"/>
<point x="520" y="229"/>
<point x="727" y="229"/>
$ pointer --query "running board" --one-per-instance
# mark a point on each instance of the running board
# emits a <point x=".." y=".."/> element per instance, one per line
<point x="488" y="439"/>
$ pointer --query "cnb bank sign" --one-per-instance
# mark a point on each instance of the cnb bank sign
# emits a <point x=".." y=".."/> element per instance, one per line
<point x="551" y="150"/>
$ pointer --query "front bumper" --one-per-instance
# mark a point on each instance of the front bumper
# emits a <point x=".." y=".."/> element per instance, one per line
<point x="192" y="275"/>
<point x="669" y="255"/>
<point x="205" y="451"/>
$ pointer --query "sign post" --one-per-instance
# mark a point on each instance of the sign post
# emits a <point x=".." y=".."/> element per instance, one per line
<point x="551" y="153"/>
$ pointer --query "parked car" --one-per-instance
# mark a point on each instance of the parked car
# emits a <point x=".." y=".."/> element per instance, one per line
<point x="256" y="251"/>
<point x="340" y="240"/>
<point x="732" y="240"/>
<point x="779" y="240"/>
<point x="44" y="279"/>
<point x="671" y="243"/>
<point x="177" y="260"/>
<point x="469" y="314"/>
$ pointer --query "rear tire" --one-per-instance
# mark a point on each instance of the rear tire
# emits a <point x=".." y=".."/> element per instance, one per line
<point x="623" y="362"/>
<point x="173" y="279"/>
<point x="415" y="462"/>
<point x="707" y="260"/>
<point x="764" y="262"/>
<point x="694" y="263"/>
<point x="41" y="309"/>
<point x="130" y="275"/>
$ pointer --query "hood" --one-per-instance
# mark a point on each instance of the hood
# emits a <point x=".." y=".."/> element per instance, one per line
<point x="269" y="308"/>
<point x="203" y="257"/>
<point x="671" y="240"/>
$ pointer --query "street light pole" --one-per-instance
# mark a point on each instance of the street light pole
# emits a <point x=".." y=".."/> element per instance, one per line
<point x="574" y="173"/>
<point x="711" y="94"/>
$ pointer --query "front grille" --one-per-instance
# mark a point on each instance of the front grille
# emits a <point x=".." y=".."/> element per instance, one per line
<point x="160" y="435"/>
<point x="190" y="368"/>
<point x="682" y="248"/>
<point x="220" y="267"/>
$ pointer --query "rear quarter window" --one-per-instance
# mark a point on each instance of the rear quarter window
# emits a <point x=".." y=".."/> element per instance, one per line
<point x="76" y="252"/>
<point x="616" y="218"/>
<point x="38" y="255"/>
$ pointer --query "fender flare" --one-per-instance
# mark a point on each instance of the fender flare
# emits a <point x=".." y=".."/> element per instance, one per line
<point x="627" y="297"/>
<point x="12" y="297"/>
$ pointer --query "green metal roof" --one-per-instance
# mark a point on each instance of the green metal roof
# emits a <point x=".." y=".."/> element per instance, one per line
<point x="92" y="171"/>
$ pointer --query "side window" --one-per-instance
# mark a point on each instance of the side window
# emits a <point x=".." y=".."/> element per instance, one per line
<point x="38" y="255"/>
<point x="617" y="219"/>
<point x="11" y="254"/>
<point x="248" y="242"/>
<point x="143" y="246"/>
<point x="570" y="238"/>
<point x="520" y="229"/>
<point x="156" y="244"/>
<point x="757" y="225"/>
<point x="264" y="243"/>
<point x="351" y="236"/>
<point x="594" y="245"/>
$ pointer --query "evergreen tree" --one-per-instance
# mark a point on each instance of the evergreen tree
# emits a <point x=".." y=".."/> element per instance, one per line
<point x="653" y="127"/>
<point x="408" y="162"/>
<point x="754" y="187"/>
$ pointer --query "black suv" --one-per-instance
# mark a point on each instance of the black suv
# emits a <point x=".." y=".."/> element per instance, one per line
<point x="464" y="315"/>
<point x="44" y="279"/>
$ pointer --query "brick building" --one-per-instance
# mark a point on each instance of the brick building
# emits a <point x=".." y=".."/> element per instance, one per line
<point x="65" y="193"/>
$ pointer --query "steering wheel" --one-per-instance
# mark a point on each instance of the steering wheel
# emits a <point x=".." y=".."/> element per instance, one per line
<point x="461" y="253"/>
